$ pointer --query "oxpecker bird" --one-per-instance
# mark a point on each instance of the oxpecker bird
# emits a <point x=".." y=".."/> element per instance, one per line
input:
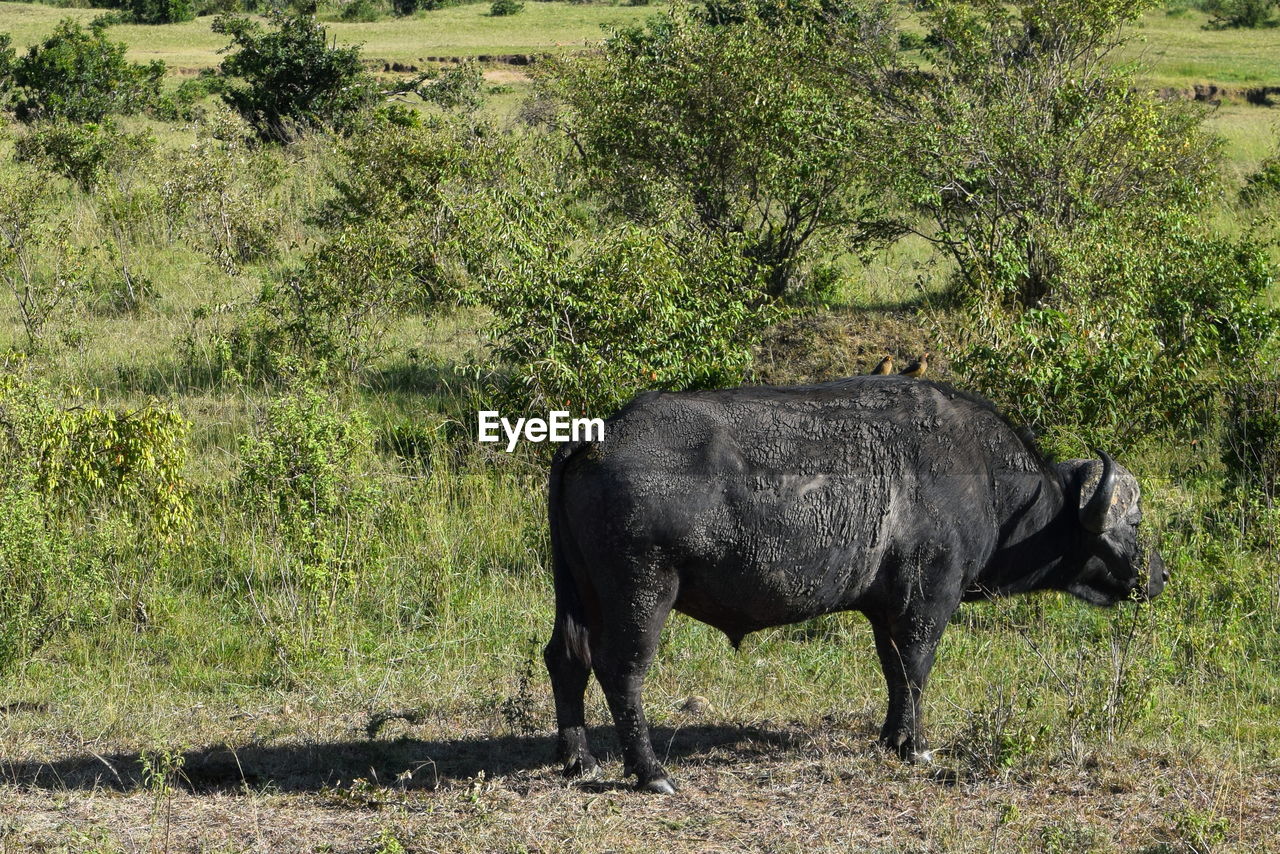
<point x="885" y="366"/>
<point x="918" y="367"/>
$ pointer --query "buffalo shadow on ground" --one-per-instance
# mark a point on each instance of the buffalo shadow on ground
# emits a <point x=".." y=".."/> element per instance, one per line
<point x="404" y="762"/>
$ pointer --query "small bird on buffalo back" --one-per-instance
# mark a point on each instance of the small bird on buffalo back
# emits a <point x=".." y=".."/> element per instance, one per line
<point x="885" y="366"/>
<point x="918" y="367"/>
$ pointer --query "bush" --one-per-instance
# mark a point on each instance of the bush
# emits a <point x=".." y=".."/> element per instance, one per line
<point x="456" y="88"/>
<point x="292" y="79"/>
<point x="45" y="274"/>
<point x="75" y="476"/>
<point x="7" y="61"/>
<point x="1140" y="338"/>
<point x="303" y="478"/>
<point x="746" y="127"/>
<point x="1025" y="131"/>
<point x="361" y="10"/>
<point x="585" y="331"/>
<point x="219" y="195"/>
<point x="505" y="7"/>
<point x="1263" y="184"/>
<point x="336" y="309"/>
<point x="161" y="11"/>
<point x="1251" y="441"/>
<point x="1231" y="14"/>
<point x="79" y="75"/>
<point x="402" y="237"/>
<point x="416" y="185"/>
<point x="86" y="152"/>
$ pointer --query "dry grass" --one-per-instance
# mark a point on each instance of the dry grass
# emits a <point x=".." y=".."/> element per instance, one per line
<point x="455" y="783"/>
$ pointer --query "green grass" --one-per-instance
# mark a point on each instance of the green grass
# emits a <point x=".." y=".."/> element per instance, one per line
<point x="1176" y="51"/>
<point x="456" y="31"/>
<point x="1251" y="135"/>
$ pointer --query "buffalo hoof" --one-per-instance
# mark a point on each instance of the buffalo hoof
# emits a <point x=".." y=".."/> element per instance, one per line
<point x="658" y="786"/>
<point x="583" y="766"/>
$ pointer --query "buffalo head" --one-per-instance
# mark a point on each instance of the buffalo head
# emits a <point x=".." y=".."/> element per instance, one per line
<point x="1117" y="562"/>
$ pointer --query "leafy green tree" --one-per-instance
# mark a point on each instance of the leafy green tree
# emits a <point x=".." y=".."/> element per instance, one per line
<point x="1091" y="303"/>
<point x="291" y="78"/>
<point x="501" y="8"/>
<point x="82" y="76"/>
<point x="1024" y="129"/>
<point x="737" y="127"/>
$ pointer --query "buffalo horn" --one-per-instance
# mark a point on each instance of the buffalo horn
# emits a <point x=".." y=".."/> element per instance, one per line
<point x="1093" y="516"/>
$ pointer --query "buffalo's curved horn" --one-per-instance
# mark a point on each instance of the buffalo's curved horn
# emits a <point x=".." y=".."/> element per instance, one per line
<point x="1093" y="516"/>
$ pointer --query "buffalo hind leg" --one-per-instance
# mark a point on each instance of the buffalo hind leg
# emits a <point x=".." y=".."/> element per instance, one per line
<point x="569" y="685"/>
<point x="628" y="643"/>
<point x="906" y="647"/>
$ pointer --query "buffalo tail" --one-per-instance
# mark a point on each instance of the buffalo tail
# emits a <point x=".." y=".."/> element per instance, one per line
<point x="570" y="611"/>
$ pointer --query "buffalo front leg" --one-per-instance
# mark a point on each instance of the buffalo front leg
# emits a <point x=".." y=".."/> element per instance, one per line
<point x="629" y="641"/>
<point x="569" y="685"/>
<point x="906" y="647"/>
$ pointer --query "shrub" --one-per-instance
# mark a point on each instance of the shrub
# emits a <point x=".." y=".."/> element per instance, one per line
<point x="1143" y="331"/>
<point x="219" y="195"/>
<point x="402" y="237"/>
<point x="80" y="75"/>
<point x="456" y="88"/>
<point x="745" y="128"/>
<point x="361" y="10"/>
<point x="292" y="80"/>
<point x="1251" y="440"/>
<point x="222" y="7"/>
<point x="1263" y="184"/>
<point x="45" y="274"/>
<point x="336" y="308"/>
<point x="417" y="186"/>
<point x="83" y="152"/>
<point x="303" y="478"/>
<point x="161" y="11"/>
<point x="7" y="62"/>
<point x="505" y="7"/>
<point x="1231" y="14"/>
<point x="585" y="331"/>
<point x="1025" y="131"/>
<point x="73" y="476"/>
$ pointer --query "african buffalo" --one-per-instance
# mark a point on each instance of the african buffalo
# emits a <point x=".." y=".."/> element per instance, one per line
<point x="756" y="507"/>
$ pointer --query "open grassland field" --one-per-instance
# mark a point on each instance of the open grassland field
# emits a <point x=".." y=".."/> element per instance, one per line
<point x="1175" y="50"/>
<point x="465" y="30"/>
<point x="1178" y="51"/>
<point x="230" y="691"/>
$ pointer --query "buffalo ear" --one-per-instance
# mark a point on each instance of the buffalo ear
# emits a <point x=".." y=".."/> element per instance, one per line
<point x="1094" y="511"/>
